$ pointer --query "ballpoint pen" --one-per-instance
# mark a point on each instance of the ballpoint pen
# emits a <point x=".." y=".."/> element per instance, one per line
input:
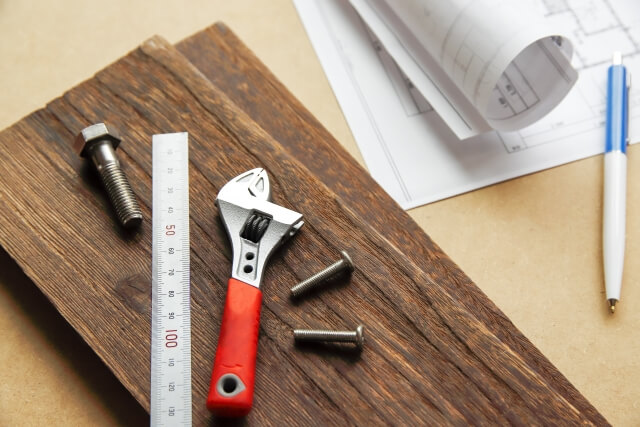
<point x="615" y="177"/>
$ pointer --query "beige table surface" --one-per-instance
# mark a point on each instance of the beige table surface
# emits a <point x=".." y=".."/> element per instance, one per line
<point x="532" y="244"/>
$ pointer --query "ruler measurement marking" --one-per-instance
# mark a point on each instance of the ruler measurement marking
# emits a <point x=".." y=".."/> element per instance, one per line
<point x="171" y="316"/>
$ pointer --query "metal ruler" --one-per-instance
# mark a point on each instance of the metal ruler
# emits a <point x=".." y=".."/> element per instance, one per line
<point x="170" y="301"/>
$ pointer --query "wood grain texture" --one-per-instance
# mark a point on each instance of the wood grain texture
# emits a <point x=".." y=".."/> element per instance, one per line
<point x="438" y="352"/>
<point x="252" y="86"/>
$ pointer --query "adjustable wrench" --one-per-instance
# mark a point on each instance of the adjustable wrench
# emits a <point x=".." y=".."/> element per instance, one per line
<point x="256" y="227"/>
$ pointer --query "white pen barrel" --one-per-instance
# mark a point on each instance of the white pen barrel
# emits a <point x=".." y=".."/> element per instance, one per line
<point x="615" y="191"/>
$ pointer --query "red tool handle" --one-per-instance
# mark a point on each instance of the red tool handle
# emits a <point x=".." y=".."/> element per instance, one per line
<point x="233" y="376"/>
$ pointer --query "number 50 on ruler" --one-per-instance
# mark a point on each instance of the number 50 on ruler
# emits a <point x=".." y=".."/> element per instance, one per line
<point x="170" y="300"/>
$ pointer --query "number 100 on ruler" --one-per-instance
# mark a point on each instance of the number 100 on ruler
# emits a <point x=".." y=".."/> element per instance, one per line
<point x="170" y="299"/>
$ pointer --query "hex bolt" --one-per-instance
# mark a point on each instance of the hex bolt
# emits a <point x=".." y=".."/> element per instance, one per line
<point x="356" y="337"/>
<point x="99" y="142"/>
<point x="345" y="264"/>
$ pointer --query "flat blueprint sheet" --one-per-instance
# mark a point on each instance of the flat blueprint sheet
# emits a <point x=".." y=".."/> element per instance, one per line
<point x="414" y="155"/>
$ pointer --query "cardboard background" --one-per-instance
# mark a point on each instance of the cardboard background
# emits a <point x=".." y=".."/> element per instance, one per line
<point x="532" y="244"/>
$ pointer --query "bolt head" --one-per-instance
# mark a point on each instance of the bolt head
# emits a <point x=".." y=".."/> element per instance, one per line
<point x="347" y="259"/>
<point x="360" y="336"/>
<point x="92" y="134"/>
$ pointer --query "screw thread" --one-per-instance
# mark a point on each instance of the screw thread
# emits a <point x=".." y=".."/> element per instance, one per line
<point x="319" y="278"/>
<point x="321" y="335"/>
<point x="121" y="195"/>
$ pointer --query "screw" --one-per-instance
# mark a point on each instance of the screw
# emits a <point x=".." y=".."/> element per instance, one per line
<point x="99" y="143"/>
<point x="345" y="264"/>
<point x="310" y="335"/>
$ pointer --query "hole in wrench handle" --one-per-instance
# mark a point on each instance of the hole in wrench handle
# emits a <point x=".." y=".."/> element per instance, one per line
<point x="236" y="351"/>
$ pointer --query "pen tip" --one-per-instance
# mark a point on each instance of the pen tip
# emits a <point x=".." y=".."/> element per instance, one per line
<point x="612" y="305"/>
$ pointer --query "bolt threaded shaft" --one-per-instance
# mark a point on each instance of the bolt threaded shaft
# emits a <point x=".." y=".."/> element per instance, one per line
<point x="121" y="195"/>
<point x="345" y="264"/>
<point x="320" y="335"/>
<point x="312" y="335"/>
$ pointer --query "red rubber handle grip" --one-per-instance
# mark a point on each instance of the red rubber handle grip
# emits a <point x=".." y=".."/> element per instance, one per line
<point x="233" y="376"/>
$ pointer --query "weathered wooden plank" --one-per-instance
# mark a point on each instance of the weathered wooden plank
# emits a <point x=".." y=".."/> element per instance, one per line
<point x="428" y="359"/>
<point x="252" y="87"/>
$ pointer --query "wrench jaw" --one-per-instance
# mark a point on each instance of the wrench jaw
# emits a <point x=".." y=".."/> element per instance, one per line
<point x="240" y="201"/>
<point x="253" y="183"/>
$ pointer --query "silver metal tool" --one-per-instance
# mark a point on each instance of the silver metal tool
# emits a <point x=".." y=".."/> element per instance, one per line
<point x="99" y="142"/>
<point x="256" y="227"/>
<point x="343" y="265"/>
<point x="170" y="288"/>
<point x="356" y="337"/>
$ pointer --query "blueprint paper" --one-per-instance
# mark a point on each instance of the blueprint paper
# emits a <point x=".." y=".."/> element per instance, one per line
<point x="407" y="146"/>
<point x="482" y="64"/>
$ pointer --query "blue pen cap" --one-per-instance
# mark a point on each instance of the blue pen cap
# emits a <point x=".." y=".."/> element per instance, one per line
<point x="617" y="106"/>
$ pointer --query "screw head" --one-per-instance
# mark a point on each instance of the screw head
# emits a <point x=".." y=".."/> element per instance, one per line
<point x="360" y="336"/>
<point x="347" y="259"/>
<point x="93" y="134"/>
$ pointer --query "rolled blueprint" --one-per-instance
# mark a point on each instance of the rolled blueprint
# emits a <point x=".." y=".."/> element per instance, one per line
<point x="481" y="64"/>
